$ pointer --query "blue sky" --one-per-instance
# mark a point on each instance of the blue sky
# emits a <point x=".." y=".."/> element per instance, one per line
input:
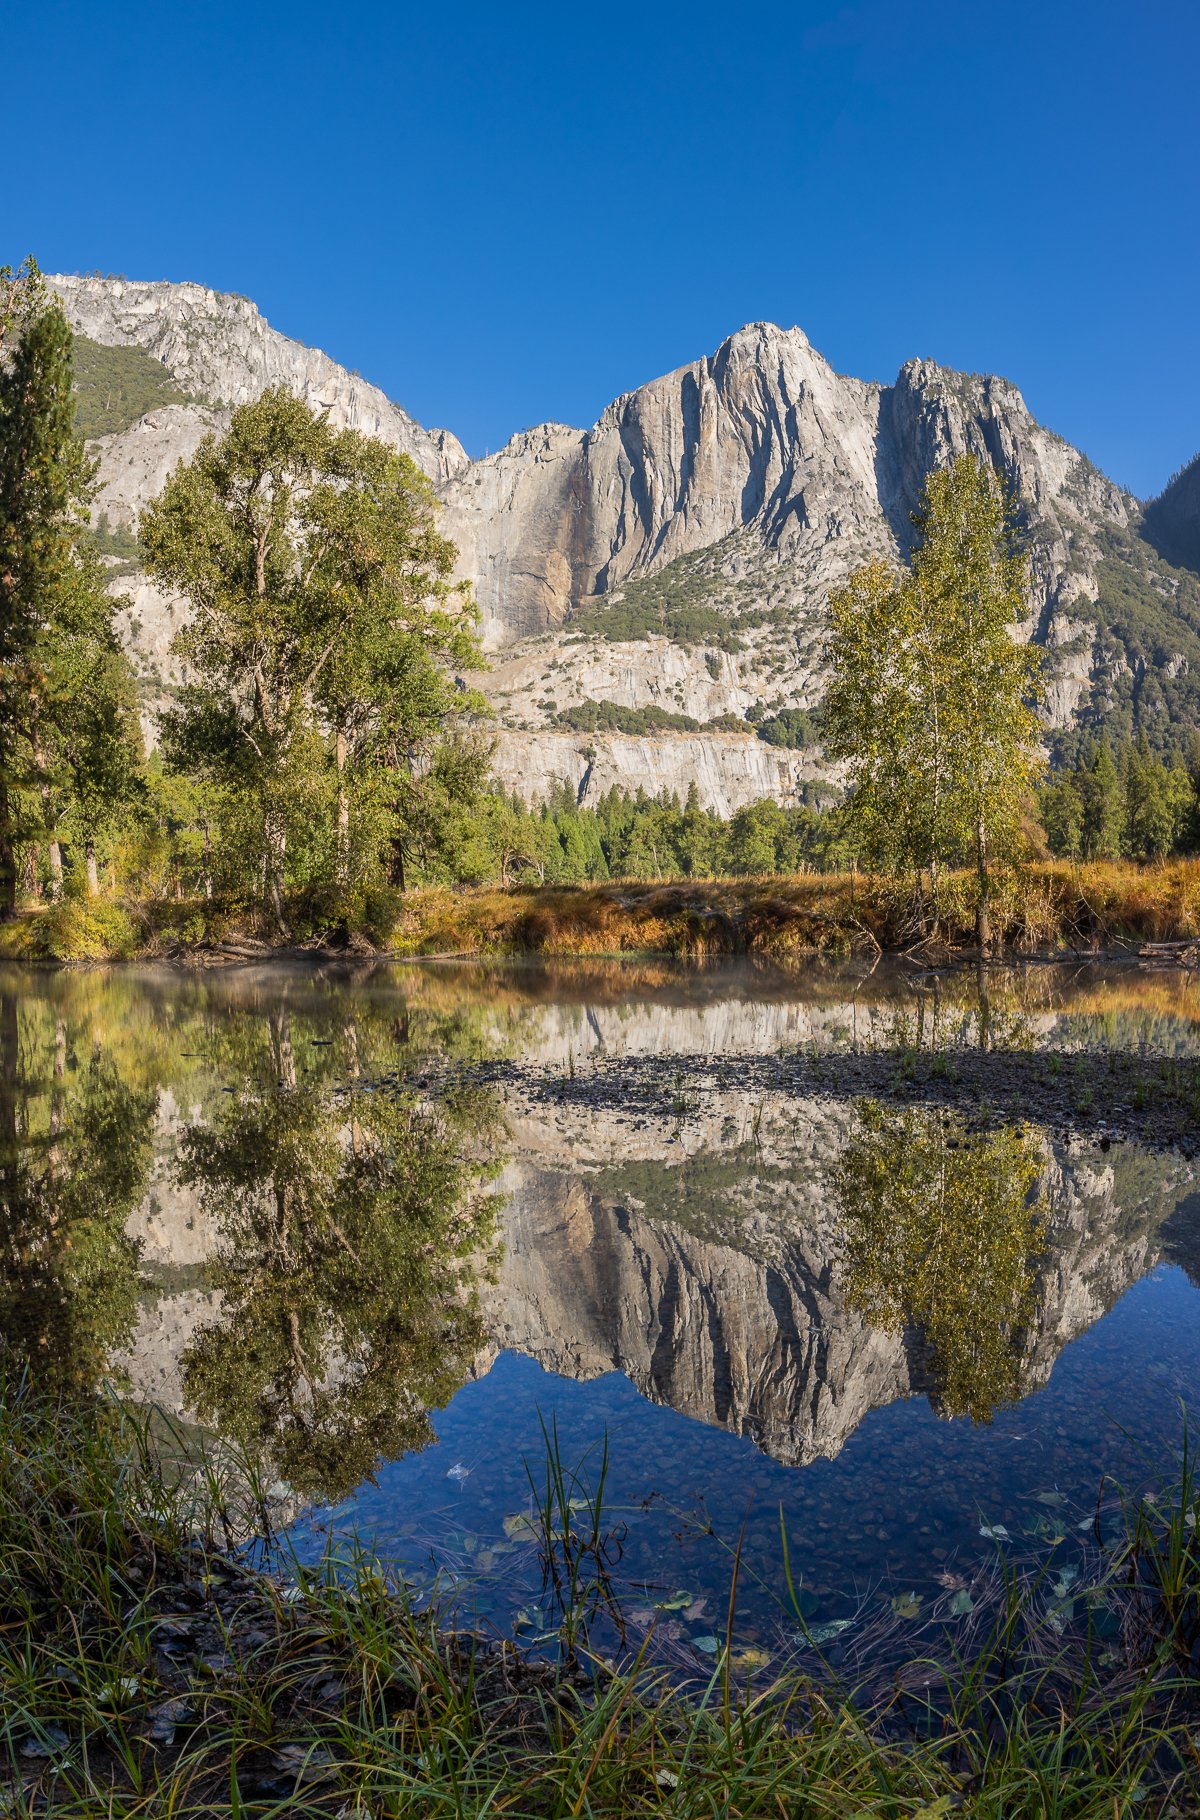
<point x="506" y="214"/>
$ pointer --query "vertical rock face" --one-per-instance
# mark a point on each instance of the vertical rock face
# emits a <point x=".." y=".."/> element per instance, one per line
<point x="134" y="467"/>
<point x="762" y="433"/>
<point x="520" y="520"/>
<point x="727" y="769"/>
<point x="761" y="436"/>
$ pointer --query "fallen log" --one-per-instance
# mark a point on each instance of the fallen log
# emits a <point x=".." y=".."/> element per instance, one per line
<point x="1169" y="954"/>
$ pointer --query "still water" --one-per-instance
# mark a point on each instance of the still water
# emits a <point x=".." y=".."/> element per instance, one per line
<point x="875" y="1273"/>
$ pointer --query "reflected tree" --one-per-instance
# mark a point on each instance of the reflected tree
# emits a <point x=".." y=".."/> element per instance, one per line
<point x="942" y="1229"/>
<point x="349" y="1216"/>
<point x="75" y="1151"/>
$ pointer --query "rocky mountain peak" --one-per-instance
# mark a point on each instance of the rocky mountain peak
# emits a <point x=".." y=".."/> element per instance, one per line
<point x="221" y="351"/>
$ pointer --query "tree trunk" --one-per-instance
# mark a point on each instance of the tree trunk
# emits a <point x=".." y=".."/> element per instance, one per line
<point x="56" y="866"/>
<point x="207" y="862"/>
<point x="56" y="1095"/>
<point x="93" y="877"/>
<point x="8" y="858"/>
<point x="10" y="1058"/>
<point x="276" y="839"/>
<point x="281" y="1044"/>
<point x="56" y="870"/>
<point x="985" y="1007"/>
<point x="983" y="928"/>
<point x="343" y="812"/>
<point x="396" y="866"/>
<point x="351" y="1034"/>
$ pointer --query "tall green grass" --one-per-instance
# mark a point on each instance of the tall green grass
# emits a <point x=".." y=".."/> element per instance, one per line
<point x="146" y="1670"/>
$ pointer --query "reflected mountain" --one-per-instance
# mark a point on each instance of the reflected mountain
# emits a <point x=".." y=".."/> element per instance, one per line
<point x="748" y="1321"/>
<point x="267" y="1200"/>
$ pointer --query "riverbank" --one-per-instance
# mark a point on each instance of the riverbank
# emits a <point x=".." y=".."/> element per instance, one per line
<point x="1043" y="907"/>
<point x="148" y="1671"/>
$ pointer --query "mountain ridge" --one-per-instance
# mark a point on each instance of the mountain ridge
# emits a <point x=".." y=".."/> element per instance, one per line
<point x="703" y="518"/>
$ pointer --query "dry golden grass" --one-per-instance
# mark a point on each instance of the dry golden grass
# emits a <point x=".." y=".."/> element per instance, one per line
<point x="1044" y="905"/>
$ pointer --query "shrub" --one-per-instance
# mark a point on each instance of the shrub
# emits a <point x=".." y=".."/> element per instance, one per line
<point x="78" y="929"/>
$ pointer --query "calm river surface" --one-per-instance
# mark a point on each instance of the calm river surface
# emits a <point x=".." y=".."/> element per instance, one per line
<point x="897" y="1264"/>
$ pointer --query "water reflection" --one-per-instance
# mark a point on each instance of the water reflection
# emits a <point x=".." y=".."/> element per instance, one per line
<point x="74" y="1164"/>
<point x="942" y="1227"/>
<point x="726" y="1297"/>
<point x="350" y="1225"/>
<point x="290" y="1171"/>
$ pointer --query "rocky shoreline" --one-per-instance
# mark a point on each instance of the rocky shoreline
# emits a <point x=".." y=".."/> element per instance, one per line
<point x="1103" y="1098"/>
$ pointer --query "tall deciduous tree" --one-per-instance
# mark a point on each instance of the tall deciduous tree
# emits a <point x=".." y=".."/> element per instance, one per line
<point x="390" y="692"/>
<point x="883" y="714"/>
<point x="89" y="743"/>
<point x="349" y="1228"/>
<point x="931" y="701"/>
<point x="325" y="627"/>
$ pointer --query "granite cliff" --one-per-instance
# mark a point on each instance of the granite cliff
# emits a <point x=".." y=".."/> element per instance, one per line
<point x="219" y="350"/>
<point x="678" y="554"/>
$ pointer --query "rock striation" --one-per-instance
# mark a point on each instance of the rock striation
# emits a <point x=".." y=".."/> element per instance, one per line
<point x="727" y="769"/>
<point x="761" y="435"/>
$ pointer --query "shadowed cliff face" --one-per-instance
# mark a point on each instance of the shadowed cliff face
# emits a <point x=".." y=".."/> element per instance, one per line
<point x="808" y="473"/>
<point x="762" y="432"/>
<point x="764" y="436"/>
<point x="1172" y="522"/>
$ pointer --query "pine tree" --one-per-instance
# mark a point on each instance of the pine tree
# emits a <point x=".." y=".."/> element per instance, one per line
<point x="1061" y="807"/>
<point x="67" y="734"/>
<point x="42" y="484"/>
<point x="1103" y="823"/>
